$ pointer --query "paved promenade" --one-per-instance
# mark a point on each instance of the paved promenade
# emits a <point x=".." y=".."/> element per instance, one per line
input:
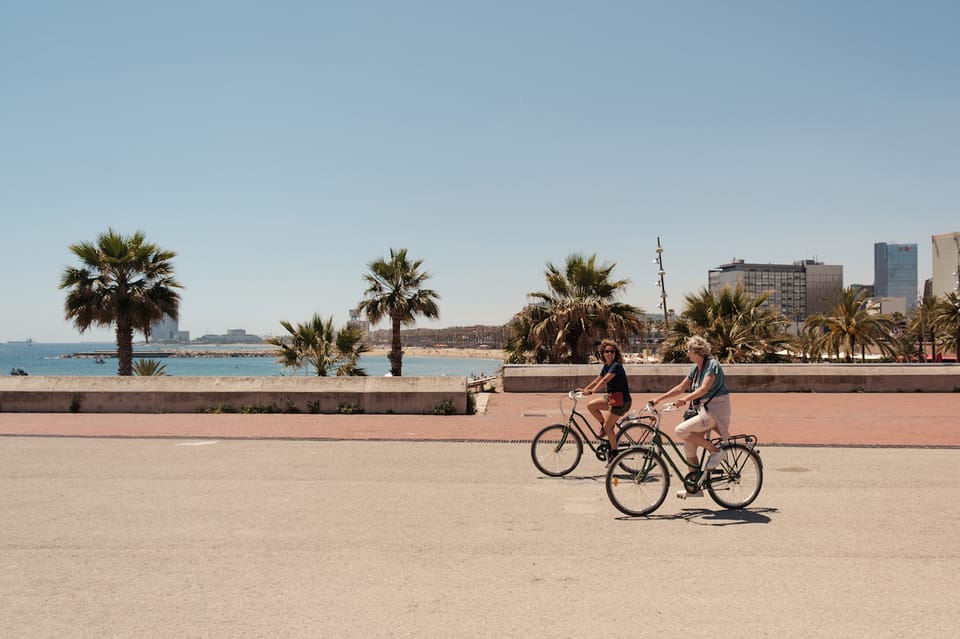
<point x="833" y="419"/>
<point x="301" y="526"/>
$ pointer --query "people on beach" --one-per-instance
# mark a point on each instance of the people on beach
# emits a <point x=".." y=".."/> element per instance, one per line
<point x="616" y="401"/>
<point x="703" y="386"/>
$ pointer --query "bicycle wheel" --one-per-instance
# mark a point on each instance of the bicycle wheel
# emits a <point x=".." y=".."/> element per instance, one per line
<point x="637" y="492"/>
<point x="556" y="450"/>
<point x="636" y="433"/>
<point x="739" y="480"/>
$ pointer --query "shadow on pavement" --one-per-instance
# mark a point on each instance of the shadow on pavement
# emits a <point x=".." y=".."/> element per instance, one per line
<point x="707" y="517"/>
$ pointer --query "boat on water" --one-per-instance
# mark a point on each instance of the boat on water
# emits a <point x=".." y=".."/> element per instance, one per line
<point x="28" y="341"/>
<point x="18" y="371"/>
<point x="100" y="360"/>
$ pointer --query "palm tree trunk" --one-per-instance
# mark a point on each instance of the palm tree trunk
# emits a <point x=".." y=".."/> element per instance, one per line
<point x="396" y="349"/>
<point x="124" y="349"/>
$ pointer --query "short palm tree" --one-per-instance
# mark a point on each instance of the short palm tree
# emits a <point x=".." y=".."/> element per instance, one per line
<point x="946" y="319"/>
<point x="123" y="281"/>
<point x="564" y="323"/>
<point x="852" y="324"/>
<point x="149" y="368"/>
<point x="395" y="291"/>
<point x="738" y="325"/>
<point x="319" y="345"/>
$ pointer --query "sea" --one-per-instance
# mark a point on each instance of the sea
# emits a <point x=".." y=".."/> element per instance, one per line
<point x="37" y="358"/>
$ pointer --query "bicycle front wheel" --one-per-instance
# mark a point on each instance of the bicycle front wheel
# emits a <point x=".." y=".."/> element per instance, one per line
<point x="556" y="450"/>
<point x="637" y="481"/>
<point x="635" y="433"/>
<point x="739" y="479"/>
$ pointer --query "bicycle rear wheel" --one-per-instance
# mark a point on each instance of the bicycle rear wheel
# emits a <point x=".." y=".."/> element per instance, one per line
<point x="556" y="450"/>
<point x="740" y="477"/>
<point x="641" y="491"/>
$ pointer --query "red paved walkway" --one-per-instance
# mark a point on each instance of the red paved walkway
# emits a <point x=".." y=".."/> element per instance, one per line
<point x="775" y="418"/>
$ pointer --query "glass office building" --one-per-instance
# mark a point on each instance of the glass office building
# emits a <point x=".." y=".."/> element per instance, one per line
<point x="895" y="271"/>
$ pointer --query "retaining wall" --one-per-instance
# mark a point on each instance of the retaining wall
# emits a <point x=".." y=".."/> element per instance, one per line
<point x="169" y="394"/>
<point x="749" y="378"/>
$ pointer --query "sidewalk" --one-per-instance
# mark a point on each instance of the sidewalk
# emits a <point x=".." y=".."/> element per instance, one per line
<point x="819" y="419"/>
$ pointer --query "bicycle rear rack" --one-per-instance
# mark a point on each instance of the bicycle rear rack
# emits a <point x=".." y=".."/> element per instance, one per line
<point x="750" y="441"/>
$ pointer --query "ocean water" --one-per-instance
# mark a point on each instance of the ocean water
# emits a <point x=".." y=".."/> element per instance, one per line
<point x="48" y="359"/>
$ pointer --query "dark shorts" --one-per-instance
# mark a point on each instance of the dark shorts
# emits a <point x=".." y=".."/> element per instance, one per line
<point x="620" y="411"/>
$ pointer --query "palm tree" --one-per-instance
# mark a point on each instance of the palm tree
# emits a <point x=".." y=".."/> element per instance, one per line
<point x="319" y="345"/>
<point x="852" y="324"/>
<point x="946" y="319"/>
<point x="149" y="368"/>
<point x="123" y="281"/>
<point x="564" y="323"/>
<point x="921" y="325"/>
<point x="394" y="291"/>
<point x="739" y="326"/>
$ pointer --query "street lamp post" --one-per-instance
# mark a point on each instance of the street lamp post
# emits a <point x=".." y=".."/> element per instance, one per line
<point x="663" y="290"/>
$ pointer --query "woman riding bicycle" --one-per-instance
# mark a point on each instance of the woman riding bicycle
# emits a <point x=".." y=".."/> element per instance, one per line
<point x="617" y="398"/>
<point x="705" y="380"/>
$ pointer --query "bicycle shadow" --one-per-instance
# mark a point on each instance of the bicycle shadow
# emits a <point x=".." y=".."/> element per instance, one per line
<point x="707" y="517"/>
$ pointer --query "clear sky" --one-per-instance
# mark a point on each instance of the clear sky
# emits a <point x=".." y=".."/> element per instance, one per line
<point x="279" y="147"/>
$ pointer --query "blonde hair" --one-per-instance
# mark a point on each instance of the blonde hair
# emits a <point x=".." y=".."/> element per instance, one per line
<point x="699" y="345"/>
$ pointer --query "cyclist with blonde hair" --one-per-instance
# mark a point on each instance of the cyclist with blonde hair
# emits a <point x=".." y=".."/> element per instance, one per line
<point x="705" y="389"/>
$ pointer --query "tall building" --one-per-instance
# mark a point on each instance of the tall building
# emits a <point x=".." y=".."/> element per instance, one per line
<point x="167" y="330"/>
<point x="946" y="264"/>
<point x="895" y="272"/>
<point x="797" y="290"/>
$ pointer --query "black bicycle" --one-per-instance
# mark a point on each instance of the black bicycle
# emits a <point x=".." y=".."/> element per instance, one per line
<point x="557" y="449"/>
<point x="639" y="478"/>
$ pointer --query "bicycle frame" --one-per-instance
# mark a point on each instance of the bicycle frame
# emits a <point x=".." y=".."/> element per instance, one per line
<point x="578" y="420"/>
<point x="694" y="477"/>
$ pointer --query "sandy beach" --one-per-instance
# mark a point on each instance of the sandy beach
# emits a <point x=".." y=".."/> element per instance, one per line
<point x="422" y="351"/>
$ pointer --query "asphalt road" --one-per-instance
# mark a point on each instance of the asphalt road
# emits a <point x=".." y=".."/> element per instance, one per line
<point x="196" y="537"/>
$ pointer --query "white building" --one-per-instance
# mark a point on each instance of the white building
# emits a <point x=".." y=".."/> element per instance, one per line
<point x="945" y="254"/>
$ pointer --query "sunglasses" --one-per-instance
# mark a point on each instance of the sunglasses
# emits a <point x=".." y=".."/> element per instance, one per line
<point x="607" y="350"/>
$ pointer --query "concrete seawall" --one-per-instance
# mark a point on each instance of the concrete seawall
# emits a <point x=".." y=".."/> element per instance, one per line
<point x="400" y="395"/>
<point x="750" y="378"/>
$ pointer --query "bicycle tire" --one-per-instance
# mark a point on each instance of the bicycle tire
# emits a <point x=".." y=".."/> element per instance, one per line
<point x="637" y="493"/>
<point x="556" y="450"/>
<point x="740" y="478"/>
<point x="636" y="433"/>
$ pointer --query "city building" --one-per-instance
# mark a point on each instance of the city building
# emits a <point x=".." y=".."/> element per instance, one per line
<point x="895" y="273"/>
<point x="945" y="255"/>
<point x="167" y="331"/>
<point x="797" y="290"/>
<point x="232" y="336"/>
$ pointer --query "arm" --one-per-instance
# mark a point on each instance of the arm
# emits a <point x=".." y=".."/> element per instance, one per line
<point x="682" y="387"/>
<point x="592" y="386"/>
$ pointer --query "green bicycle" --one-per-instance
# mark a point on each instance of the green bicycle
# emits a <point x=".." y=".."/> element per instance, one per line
<point x="557" y="449"/>
<point x="639" y="478"/>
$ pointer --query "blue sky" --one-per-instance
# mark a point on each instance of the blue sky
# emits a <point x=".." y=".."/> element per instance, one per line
<point x="279" y="147"/>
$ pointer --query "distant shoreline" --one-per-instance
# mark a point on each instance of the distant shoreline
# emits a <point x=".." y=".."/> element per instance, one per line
<point x="266" y="350"/>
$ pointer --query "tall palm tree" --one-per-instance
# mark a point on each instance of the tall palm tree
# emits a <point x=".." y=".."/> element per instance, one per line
<point x="920" y="326"/>
<point x="853" y="324"/>
<point x="123" y="281"/>
<point x="946" y="319"/>
<point x="395" y="291"/>
<point x="319" y="345"/>
<point x="737" y="324"/>
<point x="580" y="307"/>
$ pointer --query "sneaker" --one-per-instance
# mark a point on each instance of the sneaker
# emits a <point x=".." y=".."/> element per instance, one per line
<point x="683" y="494"/>
<point x="610" y="456"/>
<point x="714" y="459"/>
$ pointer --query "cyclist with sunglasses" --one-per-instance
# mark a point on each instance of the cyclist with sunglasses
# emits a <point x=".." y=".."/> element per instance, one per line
<point x="616" y="401"/>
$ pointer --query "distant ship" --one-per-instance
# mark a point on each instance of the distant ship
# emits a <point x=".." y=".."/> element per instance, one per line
<point x="28" y="341"/>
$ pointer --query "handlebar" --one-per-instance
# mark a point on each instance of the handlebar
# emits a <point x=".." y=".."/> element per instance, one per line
<point x="665" y="408"/>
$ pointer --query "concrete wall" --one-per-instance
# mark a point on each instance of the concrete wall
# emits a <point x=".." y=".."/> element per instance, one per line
<point x="401" y="395"/>
<point x="750" y="378"/>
